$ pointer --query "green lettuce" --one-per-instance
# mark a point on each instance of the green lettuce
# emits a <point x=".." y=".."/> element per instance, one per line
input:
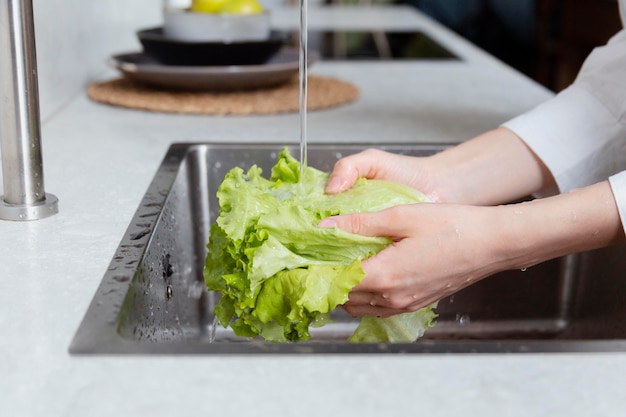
<point x="399" y="328"/>
<point x="278" y="272"/>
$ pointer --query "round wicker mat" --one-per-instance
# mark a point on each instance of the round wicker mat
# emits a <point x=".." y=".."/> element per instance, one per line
<point x="323" y="92"/>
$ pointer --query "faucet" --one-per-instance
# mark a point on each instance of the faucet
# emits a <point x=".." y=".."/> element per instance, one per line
<point x="20" y="126"/>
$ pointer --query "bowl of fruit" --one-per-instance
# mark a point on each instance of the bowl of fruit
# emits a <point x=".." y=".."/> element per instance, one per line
<point x="167" y="51"/>
<point x="213" y="33"/>
<point x="217" y="21"/>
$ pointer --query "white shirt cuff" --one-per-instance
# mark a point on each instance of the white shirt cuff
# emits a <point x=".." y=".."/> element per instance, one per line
<point x="574" y="135"/>
<point x="618" y="186"/>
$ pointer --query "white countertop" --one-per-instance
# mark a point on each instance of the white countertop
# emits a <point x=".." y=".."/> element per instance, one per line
<point x="99" y="161"/>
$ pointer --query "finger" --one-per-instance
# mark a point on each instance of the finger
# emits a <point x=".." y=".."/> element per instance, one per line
<point x="381" y="310"/>
<point x="347" y="170"/>
<point x="340" y="182"/>
<point x="361" y="298"/>
<point x="368" y="299"/>
<point x="398" y="301"/>
<point x="379" y="277"/>
<point x="389" y="223"/>
<point x="358" y="311"/>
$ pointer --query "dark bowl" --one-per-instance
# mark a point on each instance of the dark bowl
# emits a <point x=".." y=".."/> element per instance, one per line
<point x="177" y="52"/>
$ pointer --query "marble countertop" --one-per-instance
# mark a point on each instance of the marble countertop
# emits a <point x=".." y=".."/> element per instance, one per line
<point x="99" y="161"/>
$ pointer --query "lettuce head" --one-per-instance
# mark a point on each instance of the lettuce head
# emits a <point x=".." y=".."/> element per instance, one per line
<point x="278" y="272"/>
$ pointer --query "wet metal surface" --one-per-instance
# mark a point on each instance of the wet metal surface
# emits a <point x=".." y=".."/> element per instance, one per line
<point x="152" y="298"/>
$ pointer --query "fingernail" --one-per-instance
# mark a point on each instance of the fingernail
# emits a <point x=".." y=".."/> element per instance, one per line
<point x="334" y="184"/>
<point x="327" y="222"/>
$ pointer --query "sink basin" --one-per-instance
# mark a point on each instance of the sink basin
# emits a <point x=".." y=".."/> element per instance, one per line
<point x="152" y="298"/>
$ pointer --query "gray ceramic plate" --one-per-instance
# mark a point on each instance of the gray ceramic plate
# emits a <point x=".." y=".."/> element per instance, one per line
<point x="279" y="69"/>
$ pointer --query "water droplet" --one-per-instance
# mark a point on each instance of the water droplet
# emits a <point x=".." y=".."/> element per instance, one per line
<point x="213" y="329"/>
<point x="373" y="303"/>
<point x="338" y="155"/>
<point x="138" y="235"/>
<point x="385" y="295"/>
<point x="121" y="278"/>
<point x="523" y="269"/>
<point x="463" y="319"/>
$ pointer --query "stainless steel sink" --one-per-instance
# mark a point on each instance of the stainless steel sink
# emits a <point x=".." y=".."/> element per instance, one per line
<point x="152" y="299"/>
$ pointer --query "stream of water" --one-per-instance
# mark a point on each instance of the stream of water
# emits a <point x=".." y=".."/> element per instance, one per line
<point x="303" y="73"/>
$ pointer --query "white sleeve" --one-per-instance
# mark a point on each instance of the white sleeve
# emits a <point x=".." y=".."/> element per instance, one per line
<point x="580" y="134"/>
<point x="618" y="186"/>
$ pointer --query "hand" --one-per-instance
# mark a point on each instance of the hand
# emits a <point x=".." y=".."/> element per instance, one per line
<point x="493" y="168"/>
<point x="377" y="164"/>
<point x="436" y="250"/>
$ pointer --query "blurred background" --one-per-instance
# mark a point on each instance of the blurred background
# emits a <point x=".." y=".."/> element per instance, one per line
<point x="546" y="39"/>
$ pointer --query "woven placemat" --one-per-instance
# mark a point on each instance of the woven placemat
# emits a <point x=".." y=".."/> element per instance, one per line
<point x="323" y="92"/>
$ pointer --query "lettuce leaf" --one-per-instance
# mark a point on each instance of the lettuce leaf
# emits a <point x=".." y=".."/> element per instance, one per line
<point x="278" y="272"/>
<point x="400" y="328"/>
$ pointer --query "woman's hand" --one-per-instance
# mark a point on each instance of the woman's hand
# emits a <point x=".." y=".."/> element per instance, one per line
<point x="376" y="164"/>
<point x="493" y="168"/>
<point x="438" y="249"/>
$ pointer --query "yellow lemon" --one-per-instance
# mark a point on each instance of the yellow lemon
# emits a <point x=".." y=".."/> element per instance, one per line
<point x="241" y="7"/>
<point x="207" y="6"/>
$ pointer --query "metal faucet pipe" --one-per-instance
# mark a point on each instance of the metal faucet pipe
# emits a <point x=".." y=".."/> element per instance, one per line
<point x="20" y="127"/>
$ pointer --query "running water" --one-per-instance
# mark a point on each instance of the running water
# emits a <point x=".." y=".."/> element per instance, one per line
<point x="303" y="85"/>
<point x="213" y="329"/>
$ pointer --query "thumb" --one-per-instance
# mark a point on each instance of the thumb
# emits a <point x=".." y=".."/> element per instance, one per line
<point x="388" y="223"/>
<point x="338" y="183"/>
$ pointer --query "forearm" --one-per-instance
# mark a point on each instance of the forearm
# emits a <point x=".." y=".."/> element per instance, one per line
<point x="542" y="229"/>
<point x="493" y="168"/>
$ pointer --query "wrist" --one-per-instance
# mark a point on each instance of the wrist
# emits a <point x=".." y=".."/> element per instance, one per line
<point x="543" y="229"/>
<point x="494" y="168"/>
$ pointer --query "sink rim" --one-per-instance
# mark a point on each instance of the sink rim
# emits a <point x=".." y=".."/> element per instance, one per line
<point x="98" y="330"/>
